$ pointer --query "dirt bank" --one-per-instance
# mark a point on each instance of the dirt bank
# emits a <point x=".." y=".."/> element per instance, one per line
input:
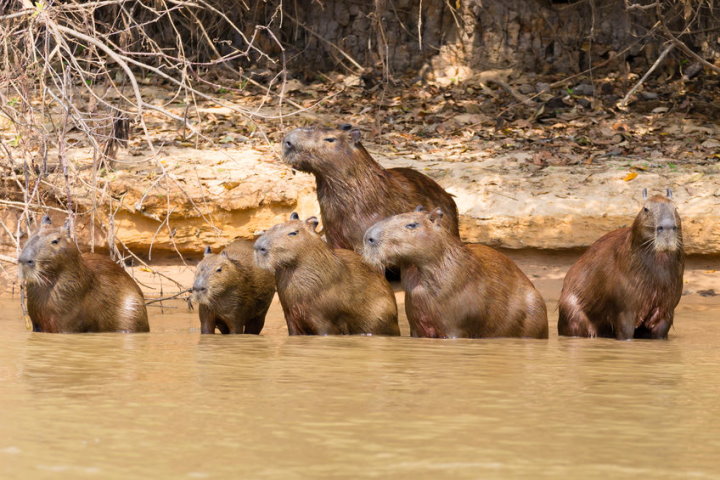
<point x="505" y="201"/>
<point x="547" y="178"/>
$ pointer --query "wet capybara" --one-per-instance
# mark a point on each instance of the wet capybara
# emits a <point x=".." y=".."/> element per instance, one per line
<point x="628" y="283"/>
<point x="325" y="291"/>
<point x="354" y="191"/>
<point x="449" y="290"/>
<point x="233" y="293"/>
<point x="70" y="292"/>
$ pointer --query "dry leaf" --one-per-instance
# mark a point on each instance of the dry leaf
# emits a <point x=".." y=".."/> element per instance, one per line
<point x="630" y="176"/>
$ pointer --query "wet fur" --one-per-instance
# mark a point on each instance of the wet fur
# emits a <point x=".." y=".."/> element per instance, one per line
<point x="238" y="297"/>
<point x="325" y="291"/>
<point x="69" y="292"/>
<point x="622" y="286"/>
<point x="451" y="291"/>
<point x="354" y="191"/>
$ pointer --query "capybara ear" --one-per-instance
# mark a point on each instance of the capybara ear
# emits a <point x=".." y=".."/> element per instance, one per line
<point x="312" y="222"/>
<point x="46" y="220"/>
<point x="294" y="216"/>
<point x="644" y="193"/>
<point x="436" y="215"/>
<point x="355" y="135"/>
<point x="419" y="208"/>
<point x="224" y="254"/>
<point x="345" y="127"/>
<point x="207" y="251"/>
<point x="668" y="193"/>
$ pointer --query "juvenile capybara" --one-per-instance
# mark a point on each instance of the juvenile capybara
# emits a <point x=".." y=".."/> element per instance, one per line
<point x="233" y="293"/>
<point x="70" y="292"/>
<point x="325" y="291"/>
<point x="354" y="191"/>
<point x="628" y="283"/>
<point x="449" y="290"/>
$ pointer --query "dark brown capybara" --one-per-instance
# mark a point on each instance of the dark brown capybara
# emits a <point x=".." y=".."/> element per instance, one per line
<point x="70" y="292"/>
<point x="354" y="191"/>
<point x="325" y="291"/>
<point x="233" y="293"/>
<point x="450" y="291"/>
<point x="628" y="283"/>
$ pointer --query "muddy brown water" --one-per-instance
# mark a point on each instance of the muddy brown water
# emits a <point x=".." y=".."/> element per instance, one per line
<point x="175" y="404"/>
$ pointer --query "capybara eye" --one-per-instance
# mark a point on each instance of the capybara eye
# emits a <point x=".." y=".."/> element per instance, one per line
<point x="411" y="226"/>
<point x="645" y="209"/>
<point x="292" y="234"/>
<point x="56" y="241"/>
<point x="330" y="140"/>
<point x="219" y="269"/>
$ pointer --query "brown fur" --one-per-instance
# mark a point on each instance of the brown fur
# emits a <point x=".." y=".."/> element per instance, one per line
<point x="451" y="292"/>
<point x="354" y="191"/>
<point x="627" y="284"/>
<point x="234" y="295"/>
<point x="325" y="291"/>
<point x="69" y="292"/>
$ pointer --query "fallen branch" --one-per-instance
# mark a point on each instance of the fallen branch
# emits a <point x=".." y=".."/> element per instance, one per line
<point x="657" y="63"/>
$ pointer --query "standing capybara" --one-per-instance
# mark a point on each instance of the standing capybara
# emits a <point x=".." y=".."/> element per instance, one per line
<point x="69" y="292"/>
<point x="354" y="191"/>
<point x="449" y="290"/>
<point x="325" y="291"/>
<point x="628" y="283"/>
<point x="233" y="293"/>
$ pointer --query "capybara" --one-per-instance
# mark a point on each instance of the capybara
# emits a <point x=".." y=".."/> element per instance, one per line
<point x="628" y="283"/>
<point x="449" y="290"/>
<point x="233" y="293"/>
<point x="325" y="291"/>
<point x="70" y="292"/>
<point x="354" y="191"/>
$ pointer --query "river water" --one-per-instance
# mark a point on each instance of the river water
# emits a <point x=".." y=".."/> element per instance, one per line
<point x="175" y="404"/>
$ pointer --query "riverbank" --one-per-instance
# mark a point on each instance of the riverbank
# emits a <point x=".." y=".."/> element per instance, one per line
<point x="209" y="197"/>
<point x="522" y="176"/>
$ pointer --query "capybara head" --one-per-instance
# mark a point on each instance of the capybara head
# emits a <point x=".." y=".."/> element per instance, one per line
<point x="409" y="238"/>
<point x="45" y="253"/>
<point x="659" y="223"/>
<point x="282" y="245"/>
<point x="211" y="275"/>
<point x="321" y="149"/>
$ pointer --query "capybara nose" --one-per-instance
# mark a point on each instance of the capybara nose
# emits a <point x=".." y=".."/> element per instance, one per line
<point x="372" y="236"/>
<point x="198" y="289"/>
<point x="261" y="246"/>
<point x="667" y="226"/>
<point x="26" y="261"/>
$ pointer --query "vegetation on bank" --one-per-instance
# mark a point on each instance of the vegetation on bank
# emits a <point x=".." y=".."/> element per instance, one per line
<point x="91" y="87"/>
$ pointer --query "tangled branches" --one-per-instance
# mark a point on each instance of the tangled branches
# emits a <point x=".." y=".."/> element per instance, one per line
<point x="73" y="78"/>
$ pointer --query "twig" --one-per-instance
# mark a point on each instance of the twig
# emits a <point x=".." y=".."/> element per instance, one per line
<point x="681" y="45"/>
<point x="657" y="63"/>
<point x="8" y="259"/>
<point x="156" y="300"/>
<point x="326" y="42"/>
